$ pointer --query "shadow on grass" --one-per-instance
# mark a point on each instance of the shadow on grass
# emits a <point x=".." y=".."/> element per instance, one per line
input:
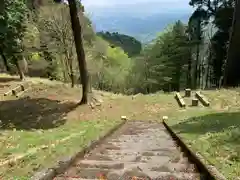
<point x="29" y="114"/>
<point x="213" y="123"/>
<point x="8" y="79"/>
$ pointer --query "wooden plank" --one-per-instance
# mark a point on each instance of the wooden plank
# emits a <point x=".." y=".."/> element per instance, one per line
<point x="8" y="93"/>
<point x="180" y="100"/>
<point x="202" y="99"/>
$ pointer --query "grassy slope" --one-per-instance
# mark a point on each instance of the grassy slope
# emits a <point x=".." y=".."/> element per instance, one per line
<point x="45" y="117"/>
<point x="214" y="131"/>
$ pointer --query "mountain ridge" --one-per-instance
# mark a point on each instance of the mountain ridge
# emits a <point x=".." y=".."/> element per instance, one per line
<point x="142" y="20"/>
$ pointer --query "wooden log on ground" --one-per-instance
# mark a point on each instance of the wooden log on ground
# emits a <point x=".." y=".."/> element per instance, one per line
<point x="180" y="100"/>
<point x="187" y="92"/>
<point x="202" y="99"/>
<point x="21" y="93"/>
<point x="16" y="90"/>
<point x="8" y="93"/>
<point x="195" y="102"/>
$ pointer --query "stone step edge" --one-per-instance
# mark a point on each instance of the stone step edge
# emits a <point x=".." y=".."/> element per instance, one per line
<point x="202" y="164"/>
<point x="63" y="165"/>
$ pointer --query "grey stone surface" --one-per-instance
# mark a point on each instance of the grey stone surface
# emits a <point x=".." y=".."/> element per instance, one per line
<point x="140" y="149"/>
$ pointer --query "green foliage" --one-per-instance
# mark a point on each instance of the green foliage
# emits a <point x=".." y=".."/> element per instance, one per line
<point x="57" y="41"/>
<point x="109" y="66"/>
<point x="219" y="13"/>
<point x="12" y="26"/>
<point x="163" y="62"/>
<point x="118" y="62"/>
<point x="129" y="44"/>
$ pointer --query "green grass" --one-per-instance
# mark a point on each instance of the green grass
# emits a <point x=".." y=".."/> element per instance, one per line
<point x="213" y="131"/>
<point x="217" y="138"/>
<point x="22" y="141"/>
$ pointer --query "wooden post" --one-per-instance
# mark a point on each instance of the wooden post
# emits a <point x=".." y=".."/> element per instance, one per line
<point x="195" y="102"/>
<point x="16" y="90"/>
<point x="187" y="92"/>
<point x="123" y="117"/>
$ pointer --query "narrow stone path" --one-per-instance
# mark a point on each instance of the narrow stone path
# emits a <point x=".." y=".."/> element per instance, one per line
<point x="138" y="148"/>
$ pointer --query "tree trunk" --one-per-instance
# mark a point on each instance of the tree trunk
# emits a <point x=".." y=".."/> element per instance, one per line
<point x="71" y="73"/>
<point x="77" y="33"/>
<point x="196" y="70"/>
<point x="5" y="61"/>
<point x="232" y="69"/>
<point x="189" y="79"/>
<point x="20" y="71"/>
<point x="70" y="61"/>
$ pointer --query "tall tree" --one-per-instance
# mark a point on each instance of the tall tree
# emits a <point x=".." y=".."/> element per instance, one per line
<point x="77" y="33"/>
<point x="164" y="64"/>
<point x="4" y="60"/>
<point x="195" y="25"/>
<point x="218" y="12"/>
<point x="12" y="18"/>
<point x="232" y="76"/>
<point x="54" y="22"/>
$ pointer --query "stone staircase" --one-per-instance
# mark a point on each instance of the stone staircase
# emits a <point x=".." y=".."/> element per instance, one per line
<point x="139" y="150"/>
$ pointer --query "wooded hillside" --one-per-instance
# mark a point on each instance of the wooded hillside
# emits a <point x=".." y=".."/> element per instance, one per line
<point x="37" y="39"/>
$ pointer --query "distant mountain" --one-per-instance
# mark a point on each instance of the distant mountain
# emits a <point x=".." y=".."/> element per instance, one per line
<point x="142" y="20"/>
<point x="129" y="44"/>
<point x="142" y="28"/>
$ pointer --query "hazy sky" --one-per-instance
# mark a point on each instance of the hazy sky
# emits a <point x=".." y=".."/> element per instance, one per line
<point x="137" y="5"/>
<point x="105" y="3"/>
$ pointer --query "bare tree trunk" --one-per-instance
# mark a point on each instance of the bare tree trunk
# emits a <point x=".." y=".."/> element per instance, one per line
<point x="208" y="73"/>
<point x="196" y="71"/>
<point x="189" y="77"/>
<point x="202" y="74"/>
<point x="77" y="33"/>
<point x="197" y="67"/>
<point x="71" y="71"/>
<point x="20" y="71"/>
<point x="232" y="68"/>
<point x="69" y="66"/>
<point x="5" y="61"/>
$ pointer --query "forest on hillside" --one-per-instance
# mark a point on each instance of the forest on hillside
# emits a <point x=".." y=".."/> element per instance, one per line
<point x="129" y="44"/>
<point x="41" y="38"/>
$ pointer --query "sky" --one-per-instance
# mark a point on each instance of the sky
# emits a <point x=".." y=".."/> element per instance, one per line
<point x="136" y="6"/>
<point x="109" y="3"/>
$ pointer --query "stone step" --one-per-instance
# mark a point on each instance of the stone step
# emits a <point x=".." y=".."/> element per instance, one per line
<point x="100" y="164"/>
<point x="168" y="167"/>
<point x="138" y="149"/>
<point x="91" y="173"/>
